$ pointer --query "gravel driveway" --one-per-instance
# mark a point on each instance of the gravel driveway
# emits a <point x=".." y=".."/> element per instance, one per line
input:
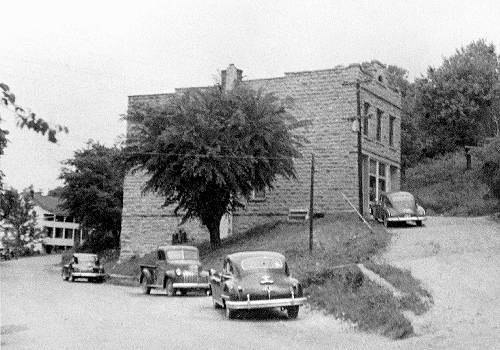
<point x="458" y="260"/>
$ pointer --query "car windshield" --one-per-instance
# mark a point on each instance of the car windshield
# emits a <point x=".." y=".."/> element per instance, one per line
<point x="182" y="254"/>
<point x="84" y="259"/>
<point x="402" y="200"/>
<point x="262" y="263"/>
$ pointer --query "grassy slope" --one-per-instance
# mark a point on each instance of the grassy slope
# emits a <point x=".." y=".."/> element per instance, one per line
<point x="341" y="291"/>
<point x="443" y="186"/>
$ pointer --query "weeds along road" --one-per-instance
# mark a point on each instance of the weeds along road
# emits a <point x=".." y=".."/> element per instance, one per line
<point x="40" y="311"/>
<point x="458" y="261"/>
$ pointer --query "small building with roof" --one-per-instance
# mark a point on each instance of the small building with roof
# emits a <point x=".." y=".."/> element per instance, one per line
<point x="61" y="231"/>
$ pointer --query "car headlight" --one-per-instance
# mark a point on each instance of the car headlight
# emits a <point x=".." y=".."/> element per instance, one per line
<point x="178" y="272"/>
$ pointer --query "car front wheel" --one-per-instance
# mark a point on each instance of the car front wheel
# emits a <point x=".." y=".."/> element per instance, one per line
<point x="292" y="312"/>
<point x="230" y="313"/>
<point x="386" y="222"/>
<point x="145" y="288"/>
<point x="419" y="223"/>
<point x="169" y="287"/>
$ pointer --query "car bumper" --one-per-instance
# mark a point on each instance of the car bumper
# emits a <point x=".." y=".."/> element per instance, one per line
<point x="182" y="285"/>
<point x="262" y="304"/>
<point x="88" y="275"/>
<point x="406" y="218"/>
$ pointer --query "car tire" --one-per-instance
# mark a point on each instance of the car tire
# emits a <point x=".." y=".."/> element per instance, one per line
<point x="71" y="277"/>
<point x="230" y="313"/>
<point x="183" y="292"/>
<point x="145" y="288"/>
<point x="292" y="312"/>
<point x="419" y="223"/>
<point x="216" y="304"/>
<point x="386" y="222"/>
<point x="169" y="288"/>
<point x="64" y="277"/>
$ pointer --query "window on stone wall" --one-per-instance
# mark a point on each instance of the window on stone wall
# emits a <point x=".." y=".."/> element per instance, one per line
<point x="379" y="124"/>
<point x="365" y="118"/>
<point x="258" y="195"/>
<point x="391" y="130"/>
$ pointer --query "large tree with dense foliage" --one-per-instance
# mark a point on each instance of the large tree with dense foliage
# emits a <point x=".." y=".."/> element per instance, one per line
<point x="207" y="150"/>
<point x="93" y="191"/>
<point x="456" y="102"/>
<point x="17" y="216"/>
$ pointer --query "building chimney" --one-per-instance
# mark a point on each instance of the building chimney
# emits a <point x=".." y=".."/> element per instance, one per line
<point x="231" y="77"/>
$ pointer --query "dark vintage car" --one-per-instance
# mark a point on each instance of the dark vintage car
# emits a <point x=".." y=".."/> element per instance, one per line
<point x="83" y="265"/>
<point x="396" y="207"/>
<point x="256" y="280"/>
<point x="177" y="268"/>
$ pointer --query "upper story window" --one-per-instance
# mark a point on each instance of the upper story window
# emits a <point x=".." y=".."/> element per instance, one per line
<point x="391" y="130"/>
<point x="379" y="124"/>
<point x="258" y="195"/>
<point x="365" y="118"/>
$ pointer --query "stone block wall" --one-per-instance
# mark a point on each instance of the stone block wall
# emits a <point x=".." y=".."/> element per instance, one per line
<point x="327" y="98"/>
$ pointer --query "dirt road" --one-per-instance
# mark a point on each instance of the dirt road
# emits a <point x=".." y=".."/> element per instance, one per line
<point x="458" y="260"/>
<point x="40" y="311"/>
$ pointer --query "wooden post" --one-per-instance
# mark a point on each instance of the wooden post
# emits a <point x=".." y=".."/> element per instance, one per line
<point x="311" y="206"/>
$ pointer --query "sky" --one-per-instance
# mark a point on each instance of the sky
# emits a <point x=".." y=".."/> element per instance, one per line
<point x="74" y="63"/>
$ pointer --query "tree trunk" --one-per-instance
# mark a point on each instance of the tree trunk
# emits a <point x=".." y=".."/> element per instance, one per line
<point x="213" y="225"/>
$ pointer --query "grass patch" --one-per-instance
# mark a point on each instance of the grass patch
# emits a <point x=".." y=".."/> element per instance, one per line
<point x="416" y="299"/>
<point x="443" y="186"/>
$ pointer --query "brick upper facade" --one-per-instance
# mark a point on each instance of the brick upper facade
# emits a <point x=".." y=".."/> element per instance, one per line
<point x="328" y="99"/>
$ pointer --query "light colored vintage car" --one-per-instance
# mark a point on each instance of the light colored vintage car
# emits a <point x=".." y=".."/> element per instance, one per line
<point x="397" y="206"/>
<point x="83" y="265"/>
<point x="256" y="280"/>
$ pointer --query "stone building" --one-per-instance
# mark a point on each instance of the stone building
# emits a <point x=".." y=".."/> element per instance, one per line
<point x="330" y="99"/>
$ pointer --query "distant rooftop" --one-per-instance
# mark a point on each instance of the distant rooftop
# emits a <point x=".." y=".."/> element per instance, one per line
<point x="50" y="203"/>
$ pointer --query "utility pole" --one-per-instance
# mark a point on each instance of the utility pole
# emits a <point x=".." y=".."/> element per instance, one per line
<point x="360" y="154"/>
<point x="311" y="206"/>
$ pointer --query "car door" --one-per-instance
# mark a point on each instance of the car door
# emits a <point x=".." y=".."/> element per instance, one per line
<point x="216" y="282"/>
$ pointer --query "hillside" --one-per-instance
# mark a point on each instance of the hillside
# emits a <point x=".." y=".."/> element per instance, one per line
<point x="444" y="186"/>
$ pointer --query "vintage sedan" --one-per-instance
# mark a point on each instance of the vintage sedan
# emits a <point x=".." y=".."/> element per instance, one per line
<point x="177" y="269"/>
<point x="83" y="265"/>
<point x="396" y="207"/>
<point x="256" y="280"/>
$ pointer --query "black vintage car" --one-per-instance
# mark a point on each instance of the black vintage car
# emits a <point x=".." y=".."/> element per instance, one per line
<point x="177" y="269"/>
<point x="256" y="280"/>
<point x="83" y="265"/>
<point x="396" y="207"/>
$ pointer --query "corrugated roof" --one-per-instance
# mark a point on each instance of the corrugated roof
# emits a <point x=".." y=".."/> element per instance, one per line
<point x="50" y="203"/>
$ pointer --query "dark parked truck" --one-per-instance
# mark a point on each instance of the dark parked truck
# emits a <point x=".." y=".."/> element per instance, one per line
<point x="178" y="269"/>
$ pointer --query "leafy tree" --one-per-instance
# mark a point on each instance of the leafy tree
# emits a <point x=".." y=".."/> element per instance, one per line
<point x="455" y="101"/>
<point x="25" y="118"/>
<point x="490" y="157"/>
<point x="17" y="215"/>
<point x="207" y="150"/>
<point x="93" y="191"/>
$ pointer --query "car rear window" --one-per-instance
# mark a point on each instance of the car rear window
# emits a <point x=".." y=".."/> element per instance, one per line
<point x="402" y="200"/>
<point x="261" y="263"/>
<point x="180" y="254"/>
